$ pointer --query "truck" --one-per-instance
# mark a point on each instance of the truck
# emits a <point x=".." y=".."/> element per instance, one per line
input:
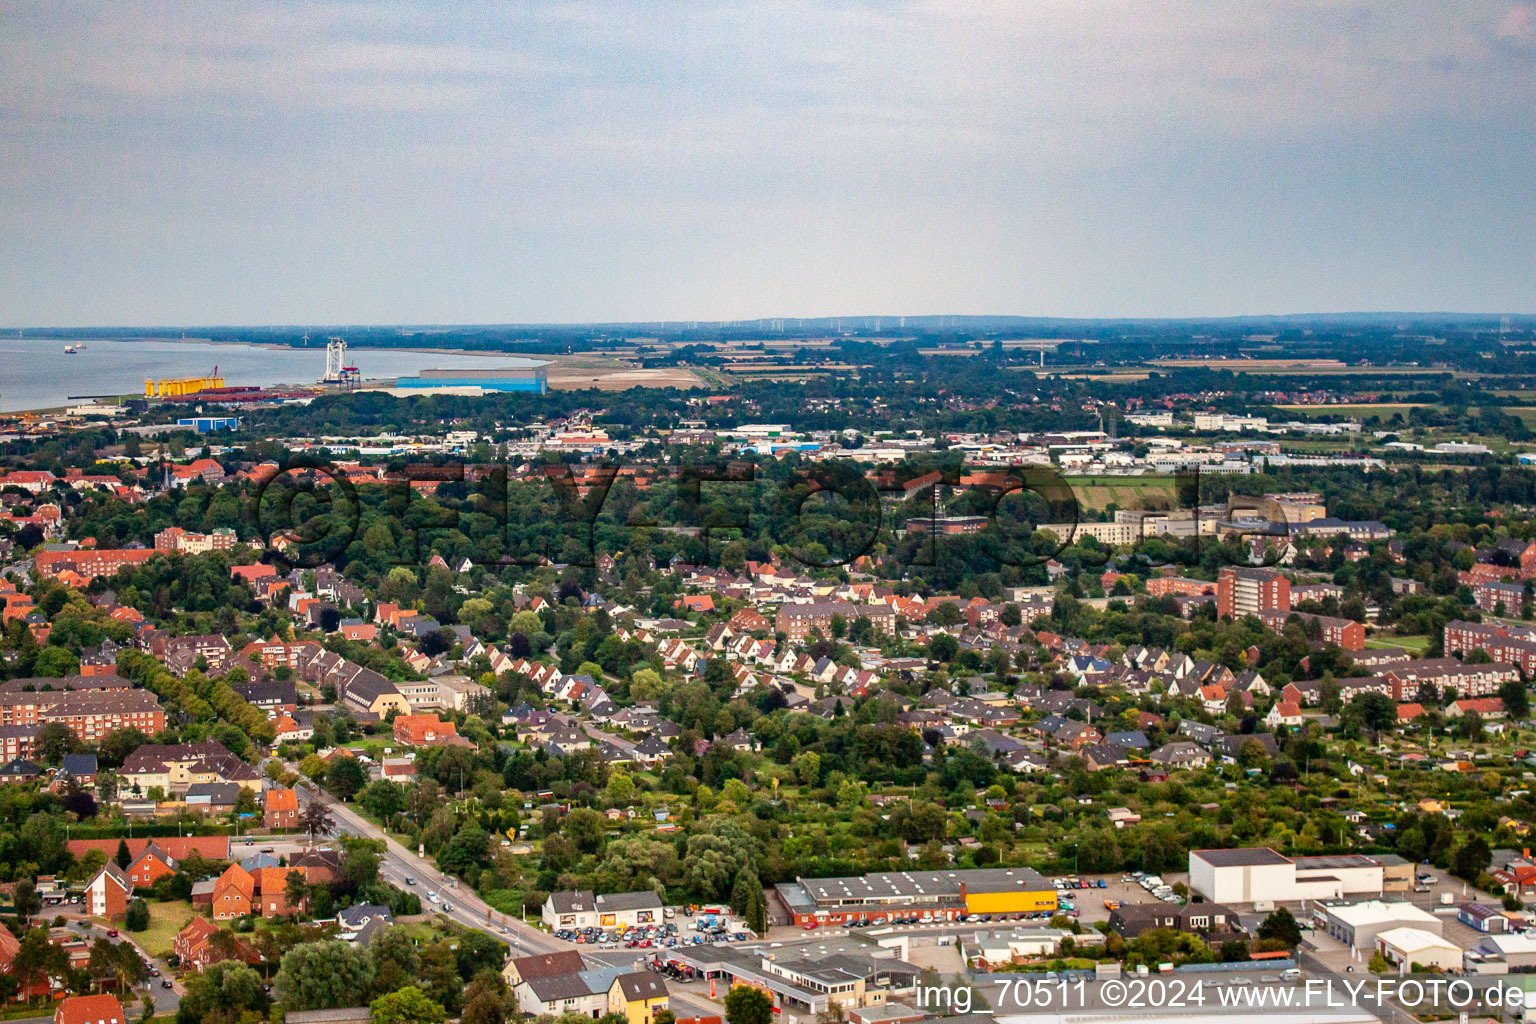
<point x="1263" y="906"/>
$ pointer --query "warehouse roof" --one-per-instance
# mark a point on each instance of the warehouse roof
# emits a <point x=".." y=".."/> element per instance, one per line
<point x="1251" y="856"/>
<point x="926" y="883"/>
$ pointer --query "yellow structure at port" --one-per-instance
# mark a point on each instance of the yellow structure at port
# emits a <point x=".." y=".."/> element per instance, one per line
<point x="172" y="387"/>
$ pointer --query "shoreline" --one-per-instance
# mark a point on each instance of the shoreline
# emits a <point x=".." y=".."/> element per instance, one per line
<point x="536" y="359"/>
<point x="57" y="406"/>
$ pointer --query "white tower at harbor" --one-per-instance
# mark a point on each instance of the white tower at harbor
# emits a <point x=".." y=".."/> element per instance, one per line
<point x="335" y="360"/>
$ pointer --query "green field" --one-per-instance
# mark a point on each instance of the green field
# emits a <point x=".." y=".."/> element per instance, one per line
<point x="1125" y="491"/>
<point x="165" y="920"/>
<point x="1384" y="410"/>
<point x="1416" y="644"/>
<point x="1526" y="413"/>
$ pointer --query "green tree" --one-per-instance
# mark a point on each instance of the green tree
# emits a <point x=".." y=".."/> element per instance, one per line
<point x="1472" y="858"/>
<point x="468" y="849"/>
<point x="123" y="857"/>
<point x="345" y="777"/>
<point x="807" y="767"/>
<point x="586" y="828"/>
<point x="118" y="961"/>
<point x="54" y="662"/>
<point x="478" y="952"/>
<point x="409" y="1005"/>
<point x="1281" y="925"/>
<point x="1377" y="711"/>
<point x="26" y="900"/>
<point x="741" y="892"/>
<point x="745" y="1004"/>
<point x="1517" y="699"/>
<point x="715" y="858"/>
<point x="942" y="646"/>
<point x="360" y="858"/>
<point x="486" y="1001"/>
<point x="221" y="994"/>
<point x="295" y="892"/>
<point x="323" y="976"/>
<point x="395" y="962"/>
<point x="53" y="741"/>
<point x="137" y="919"/>
<point x="38" y="958"/>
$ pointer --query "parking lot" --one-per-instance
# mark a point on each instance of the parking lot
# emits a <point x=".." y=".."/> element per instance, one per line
<point x="1090" y="903"/>
<point x="679" y="932"/>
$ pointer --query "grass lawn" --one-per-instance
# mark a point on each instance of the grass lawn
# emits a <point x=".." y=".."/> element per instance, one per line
<point x="1417" y="644"/>
<point x="424" y="932"/>
<point x="165" y="920"/>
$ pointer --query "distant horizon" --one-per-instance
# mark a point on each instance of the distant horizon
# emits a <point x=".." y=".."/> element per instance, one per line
<point x="857" y="321"/>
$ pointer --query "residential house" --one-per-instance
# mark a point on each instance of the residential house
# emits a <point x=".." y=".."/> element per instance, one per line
<point x="108" y="892"/>
<point x="103" y="1009"/>
<point x="638" y="996"/>
<point x="281" y="809"/>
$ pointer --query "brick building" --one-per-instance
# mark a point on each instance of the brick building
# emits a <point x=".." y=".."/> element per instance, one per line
<point x="174" y="538"/>
<point x="90" y="562"/>
<point x="1243" y="591"/>
<point x="282" y="808"/>
<point x="797" y="621"/>
<point x="1346" y="633"/>
<point x="1507" y="643"/>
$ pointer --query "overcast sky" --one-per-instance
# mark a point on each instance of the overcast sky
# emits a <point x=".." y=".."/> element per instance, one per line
<point x="437" y="162"/>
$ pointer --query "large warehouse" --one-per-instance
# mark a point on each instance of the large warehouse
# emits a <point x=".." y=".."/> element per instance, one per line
<point x="1357" y="925"/>
<point x="940" y="894"/>
<point x="495" y="378"/>
<point x="1259" y="873"/>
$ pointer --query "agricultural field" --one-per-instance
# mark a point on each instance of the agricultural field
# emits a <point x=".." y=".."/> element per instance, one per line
<point x="583" y="373"/>
<point x="1385" y="410"/>
<point x="1096" y="492"/>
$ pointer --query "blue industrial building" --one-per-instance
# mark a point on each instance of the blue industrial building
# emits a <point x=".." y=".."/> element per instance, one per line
<point x="499" y="378"/>
<point x="208" y="424"/>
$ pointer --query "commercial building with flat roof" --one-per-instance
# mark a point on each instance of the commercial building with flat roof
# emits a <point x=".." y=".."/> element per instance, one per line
<point x="1259" y="873"/>
<point x="1419" y="949"/>
<point x="943" y="895"/>
<point x="1357" y="924"/>
<point x="579" y="908"/>
<point x="806" y="977"/>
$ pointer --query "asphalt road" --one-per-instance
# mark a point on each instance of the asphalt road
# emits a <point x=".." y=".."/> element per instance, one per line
<point x="468" y="910"/>
<point x="1384" y="1012"/>
<point x="166" y="999"/>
